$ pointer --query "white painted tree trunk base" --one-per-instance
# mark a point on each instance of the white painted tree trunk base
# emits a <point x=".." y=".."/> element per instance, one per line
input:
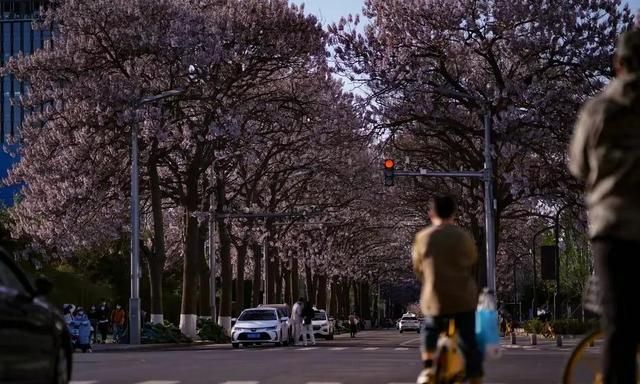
<point x="225" y="323"/>
<point x="188" y="325"/>
<point x="157" y="318"/>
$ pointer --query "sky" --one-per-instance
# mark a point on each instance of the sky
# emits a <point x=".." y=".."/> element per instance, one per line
<point x="331" y="10"/>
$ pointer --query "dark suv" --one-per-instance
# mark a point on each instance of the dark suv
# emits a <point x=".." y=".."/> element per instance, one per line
<point x="35" y="345"/>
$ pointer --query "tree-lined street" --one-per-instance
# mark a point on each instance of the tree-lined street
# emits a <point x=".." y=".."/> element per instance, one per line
<point x="186" y="160"/>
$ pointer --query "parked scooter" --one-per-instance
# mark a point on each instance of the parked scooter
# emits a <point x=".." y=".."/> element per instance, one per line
<point x="81" y="329"/>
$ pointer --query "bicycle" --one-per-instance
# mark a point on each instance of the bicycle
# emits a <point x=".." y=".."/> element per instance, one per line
<point x="584" y="363"/>
<point x="449" y="367"/>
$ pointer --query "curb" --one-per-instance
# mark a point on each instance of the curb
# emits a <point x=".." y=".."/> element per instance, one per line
<point x="110" y="348"/>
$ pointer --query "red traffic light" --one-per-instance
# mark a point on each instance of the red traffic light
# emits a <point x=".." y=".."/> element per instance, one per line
<point x="389" y="164"/>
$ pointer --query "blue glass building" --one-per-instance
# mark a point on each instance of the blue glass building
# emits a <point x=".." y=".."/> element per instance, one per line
<point x="18" y="35"/>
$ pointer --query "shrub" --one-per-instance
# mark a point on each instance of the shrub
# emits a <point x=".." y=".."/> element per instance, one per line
<point x="533" y="326"/>
<point x="162" y="333"/>
<point x="211" y="331"/>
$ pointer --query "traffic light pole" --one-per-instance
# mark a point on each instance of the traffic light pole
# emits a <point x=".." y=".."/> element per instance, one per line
<point x="487" y="176"/>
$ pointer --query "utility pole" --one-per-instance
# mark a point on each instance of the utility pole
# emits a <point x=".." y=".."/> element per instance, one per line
<point x="134" y="299"/>
<point x="486" y="175"/>
<point x="490" y="231"/>
<point x="212" y="249"/>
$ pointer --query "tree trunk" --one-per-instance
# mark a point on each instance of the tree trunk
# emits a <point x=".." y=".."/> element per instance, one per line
<point x="278" y="277"/>
<point x="333" y="303"/>
<point x="157" y="257"/>
<point x="257" y="274"/>
<point x="295" y="279"/>
<point x="205" y="285"/>
<point x="343" y="299"/>
<point x="226" y="271"/>
<point x="356" y="298"/>
<point x="190" y="276"/>
<point x="242" y="256"/>
<point x="286" y="274"/>
<point x="365" y="296"/>
<point x="322" y="292"/>
<point x="311" y="290"/>
<point x="271" y="273"/>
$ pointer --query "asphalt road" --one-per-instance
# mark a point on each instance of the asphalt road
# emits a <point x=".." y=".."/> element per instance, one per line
<point x="379" y="357"/>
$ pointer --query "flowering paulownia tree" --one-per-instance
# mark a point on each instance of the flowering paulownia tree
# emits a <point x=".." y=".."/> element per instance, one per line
<point x="107" y="56"/>
<point x="530" y="63"/>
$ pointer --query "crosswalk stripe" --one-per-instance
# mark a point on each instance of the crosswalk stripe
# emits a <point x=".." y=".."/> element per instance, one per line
<point x="159" y="382"/>
<point x="307" y="349"/>
<point x="374" y="349"/>
<point x="336" y="349"/>
<point x="401" y="349"/>
<point x="323" y="382"/>
<point x="241" y="382"/>
<point x="84" y="382"/>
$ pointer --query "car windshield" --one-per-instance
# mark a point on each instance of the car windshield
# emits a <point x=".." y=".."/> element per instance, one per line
<point x="255" y="315"/>
<point x="409" y="318"/>
<point x="317" y="316"/>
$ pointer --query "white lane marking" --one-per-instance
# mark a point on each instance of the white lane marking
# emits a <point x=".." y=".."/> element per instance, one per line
<point x="410" y="341"/>
<point x="241" y="382"/>
<point x="323" y="382"/>
<point x="337" y="349"/>
<point x="372" y="349"/>
<point x="401" y="349"/>
<point x="159" y="382"/>
<point x="84" y="382"/>
<point x="307" y="349"/>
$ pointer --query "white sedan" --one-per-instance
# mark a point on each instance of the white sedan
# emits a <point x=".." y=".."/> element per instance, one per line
<point x="264" y="325"/>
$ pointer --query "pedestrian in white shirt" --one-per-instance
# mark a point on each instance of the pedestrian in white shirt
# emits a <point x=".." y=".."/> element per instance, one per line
<point x="296" y="320"/>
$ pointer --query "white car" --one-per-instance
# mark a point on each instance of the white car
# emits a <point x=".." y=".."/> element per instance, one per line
<point x="264" y="325"/>
<point x="322" y="326"/>
<point x="409" y="323"/>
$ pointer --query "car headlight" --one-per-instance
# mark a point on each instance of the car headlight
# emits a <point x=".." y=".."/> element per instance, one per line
<point x="270" y="328"/>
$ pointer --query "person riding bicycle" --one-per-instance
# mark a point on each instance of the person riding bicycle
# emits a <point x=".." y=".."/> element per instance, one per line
<point x="605" y="154"/>
<point x="444" y="259"/>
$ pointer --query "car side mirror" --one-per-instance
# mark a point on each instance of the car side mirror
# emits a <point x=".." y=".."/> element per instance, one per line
<point x="332" y="319"/>
<point x="43" y="286"/>
<point x="284" y="319"/>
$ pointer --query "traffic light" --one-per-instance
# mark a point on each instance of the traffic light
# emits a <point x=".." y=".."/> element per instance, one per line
<point x="389" y="172"/>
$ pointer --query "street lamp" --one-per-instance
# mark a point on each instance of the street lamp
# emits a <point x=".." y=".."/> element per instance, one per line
<point x="134" y="300"/>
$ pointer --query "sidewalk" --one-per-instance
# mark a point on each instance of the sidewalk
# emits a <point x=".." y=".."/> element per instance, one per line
<point x="524" y="342"/>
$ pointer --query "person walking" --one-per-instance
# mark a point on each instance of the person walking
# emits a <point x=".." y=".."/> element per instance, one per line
<point x="296" y="320"/>
<point x="104" y="314"/>
<point x="118" y="317"/>
<point x="605" y="155"/>
<point x="93" y="319"/>
<point x="353" y="324"/>
<point x="444" y="259"/>
<point x="307" y="314"/>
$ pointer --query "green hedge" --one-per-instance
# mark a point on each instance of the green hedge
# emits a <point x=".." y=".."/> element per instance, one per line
<point x="162" y="334"/>
<point x="209" y="330"/>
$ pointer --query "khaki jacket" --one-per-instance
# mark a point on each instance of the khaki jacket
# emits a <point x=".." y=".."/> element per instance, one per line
<point x="444" y="259"/>
<point x="605" y="154"/>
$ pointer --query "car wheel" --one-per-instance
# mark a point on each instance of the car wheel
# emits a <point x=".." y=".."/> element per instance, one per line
<point x="418" y="331"/>
<point x="330" y="336"/>
<point x="61" y="374"/>
<point x="401" y="331"/>
<point x="235" y="345"/>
